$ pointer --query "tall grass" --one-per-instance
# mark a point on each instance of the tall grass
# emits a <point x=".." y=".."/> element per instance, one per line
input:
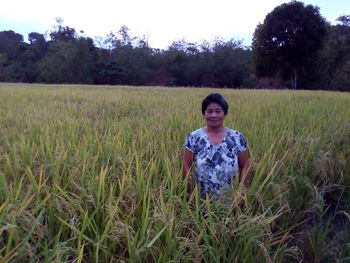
<point x="93" y="174"/>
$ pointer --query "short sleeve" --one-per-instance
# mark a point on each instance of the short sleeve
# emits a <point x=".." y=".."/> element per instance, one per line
<point x="190" y="142"/>
<point x="243" y="145"/>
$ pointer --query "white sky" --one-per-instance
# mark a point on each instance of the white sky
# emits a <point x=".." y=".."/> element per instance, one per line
<point x="162" y="21"/>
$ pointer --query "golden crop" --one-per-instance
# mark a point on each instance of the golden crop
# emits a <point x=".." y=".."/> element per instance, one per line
<point x="93" y="174"/>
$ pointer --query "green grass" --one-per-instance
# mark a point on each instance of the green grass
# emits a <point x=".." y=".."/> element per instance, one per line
<point x="93" y="174"/>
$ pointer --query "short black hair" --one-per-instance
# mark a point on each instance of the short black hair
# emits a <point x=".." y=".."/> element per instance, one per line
<point x="214" y="98"/>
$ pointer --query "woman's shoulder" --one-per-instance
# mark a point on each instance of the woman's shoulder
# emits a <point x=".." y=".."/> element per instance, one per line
<point x="197" y="133"/>
<point x="193" y="138"/>
<point x="238" y="138"/>
<point x="234" y="133"/>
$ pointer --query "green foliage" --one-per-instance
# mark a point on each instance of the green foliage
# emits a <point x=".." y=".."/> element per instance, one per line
<point x="334" y="61"/>
<point x="12" y="62"/>
<point x="231" y="67"/>
<point x="344" y="20"/>
<point x="222" y="64"/>
<point x="69" y="62"/>
<point x="10" y="43"/>
<point x="121" y="59"/>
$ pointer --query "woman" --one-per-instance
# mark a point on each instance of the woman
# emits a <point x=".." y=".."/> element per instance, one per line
<point x="217" y="152"/>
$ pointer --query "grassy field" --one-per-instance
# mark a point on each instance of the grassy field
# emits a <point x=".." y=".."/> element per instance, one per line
<point x="93" y="174"/>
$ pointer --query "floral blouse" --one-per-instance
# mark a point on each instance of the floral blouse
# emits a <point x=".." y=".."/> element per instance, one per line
<point x="215" y="165"/>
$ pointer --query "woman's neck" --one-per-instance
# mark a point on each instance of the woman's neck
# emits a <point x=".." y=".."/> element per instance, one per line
<point x="213" y="129"/>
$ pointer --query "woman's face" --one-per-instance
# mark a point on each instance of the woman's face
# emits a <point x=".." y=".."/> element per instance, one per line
<point x="214" y="115"/>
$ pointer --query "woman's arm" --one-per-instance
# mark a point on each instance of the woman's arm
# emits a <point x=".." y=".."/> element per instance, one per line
<point x="187" y="168"/>
<point x="244" y="169"/>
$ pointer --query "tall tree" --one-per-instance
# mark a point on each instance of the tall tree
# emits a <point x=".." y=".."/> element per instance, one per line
<point x="125" y="60"/>
<point x="62" y="33"/>
<point x="10" y="43"/>
<point x="231" y="64"/>
<point x="31" y="57"/>
<point x="288" y="41"/>
<point x="11" y="49"/>
<point x="69" y="59"/>
<point x="38" y="44"/>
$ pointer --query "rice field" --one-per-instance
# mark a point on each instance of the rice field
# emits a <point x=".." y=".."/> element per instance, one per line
<point x="93" y="174"/>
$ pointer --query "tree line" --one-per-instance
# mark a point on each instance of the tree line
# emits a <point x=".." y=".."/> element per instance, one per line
<point x="294" y="43"/>
<point x="121" y="59"/>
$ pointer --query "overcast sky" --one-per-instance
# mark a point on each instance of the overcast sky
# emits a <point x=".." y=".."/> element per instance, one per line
<point x="161" y="21"/>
